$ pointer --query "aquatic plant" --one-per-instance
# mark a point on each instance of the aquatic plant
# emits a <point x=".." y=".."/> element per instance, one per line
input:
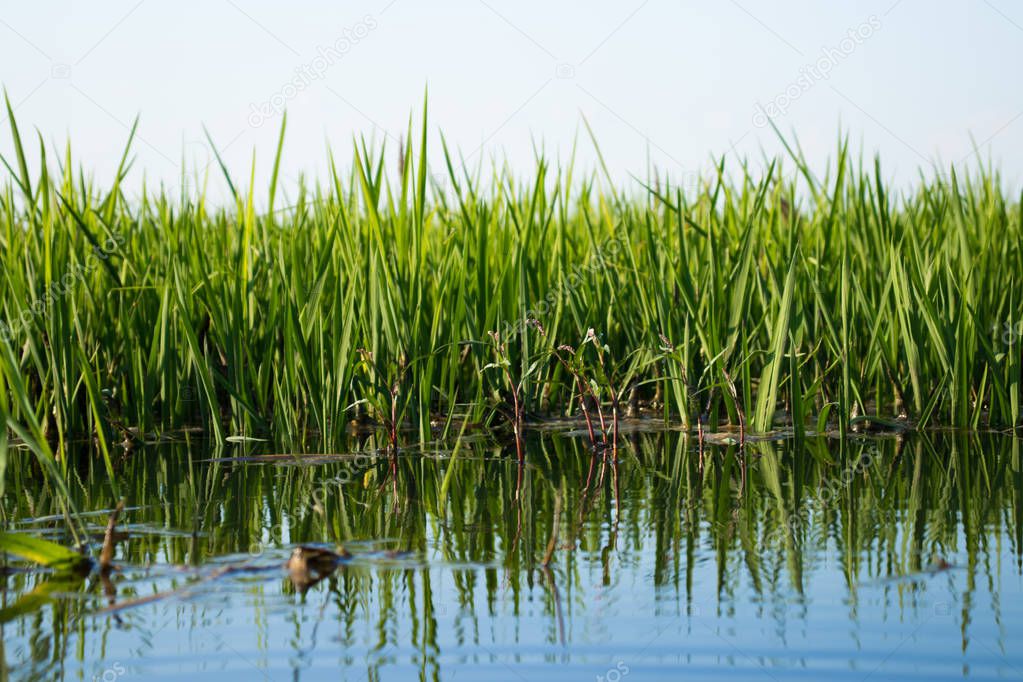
<point x="810" y="301"/>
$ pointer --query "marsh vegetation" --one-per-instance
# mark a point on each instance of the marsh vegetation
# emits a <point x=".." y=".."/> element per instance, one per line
<point x="465" y="418"/>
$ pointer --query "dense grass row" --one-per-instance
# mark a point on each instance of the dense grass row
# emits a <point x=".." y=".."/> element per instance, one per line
<point x="372" y="294"/>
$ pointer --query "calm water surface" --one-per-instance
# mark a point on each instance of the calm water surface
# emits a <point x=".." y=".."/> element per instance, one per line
<point x="874" y="559"/>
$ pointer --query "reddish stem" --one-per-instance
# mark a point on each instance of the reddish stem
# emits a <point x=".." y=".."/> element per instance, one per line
<point x="517" y="420"/>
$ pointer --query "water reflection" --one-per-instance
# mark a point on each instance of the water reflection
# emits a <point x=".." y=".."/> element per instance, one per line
<point x="887" y="557"/>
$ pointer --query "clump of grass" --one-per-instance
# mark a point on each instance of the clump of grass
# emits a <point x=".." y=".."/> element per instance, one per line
<point x="811" y="302"/>
<point x="566" y="355"/>
<point x="514" y="390"/>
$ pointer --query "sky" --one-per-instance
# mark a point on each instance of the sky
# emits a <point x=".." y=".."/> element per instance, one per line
<point x="666" y="84"/>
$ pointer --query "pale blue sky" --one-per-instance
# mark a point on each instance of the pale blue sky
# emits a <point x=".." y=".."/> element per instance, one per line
<point x="675" y="82"/>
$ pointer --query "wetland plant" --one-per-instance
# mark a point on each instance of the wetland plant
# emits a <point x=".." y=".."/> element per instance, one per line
<point x="810" y="300"/>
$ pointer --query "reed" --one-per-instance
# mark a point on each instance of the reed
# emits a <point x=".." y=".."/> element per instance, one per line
<point x="807" y="303"/>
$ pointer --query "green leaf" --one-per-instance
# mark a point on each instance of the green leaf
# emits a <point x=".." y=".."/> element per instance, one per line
<point x="767" y="398"/>
<point x="40" y="551"/>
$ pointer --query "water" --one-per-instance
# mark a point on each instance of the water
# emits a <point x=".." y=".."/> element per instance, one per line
<point x="883" y="559"/>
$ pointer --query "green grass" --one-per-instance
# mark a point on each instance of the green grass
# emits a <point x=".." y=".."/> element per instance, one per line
<point x="371" y="294"/>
